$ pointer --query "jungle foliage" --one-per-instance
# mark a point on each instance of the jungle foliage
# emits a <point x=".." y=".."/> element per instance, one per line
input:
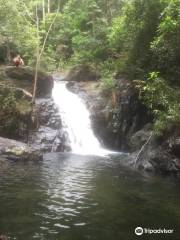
<point x="137" y="38"/>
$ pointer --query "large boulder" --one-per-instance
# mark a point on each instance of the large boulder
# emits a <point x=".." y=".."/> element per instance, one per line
<point x="83" y="73"/>
<point x="15" y="150"/>
<point x="24" y="77"/>
<point x="158" y="157"/>
<point x="140" y="137"/>
<point x="157" y="153"/>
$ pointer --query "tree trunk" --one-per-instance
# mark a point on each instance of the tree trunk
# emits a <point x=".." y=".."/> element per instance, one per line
<point x="40" y="51"/>
<point x="8" y="56"/>
<point x="109" y="11"/>
<point x="37" y="57"/>
<point x="49" y="6"/>
<point x="43" y="10"/>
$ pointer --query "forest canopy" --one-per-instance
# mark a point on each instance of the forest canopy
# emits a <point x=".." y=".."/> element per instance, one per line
<point x="137" y="38"/>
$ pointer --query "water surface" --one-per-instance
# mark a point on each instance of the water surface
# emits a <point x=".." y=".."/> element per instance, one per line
<point x="73" y="197"/>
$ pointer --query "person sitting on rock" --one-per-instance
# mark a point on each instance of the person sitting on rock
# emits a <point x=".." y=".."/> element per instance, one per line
<point x="18" y="61"/>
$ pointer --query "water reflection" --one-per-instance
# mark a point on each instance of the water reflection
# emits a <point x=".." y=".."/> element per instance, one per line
<point x="68" y="196"/>
<point x="69" y="188"/>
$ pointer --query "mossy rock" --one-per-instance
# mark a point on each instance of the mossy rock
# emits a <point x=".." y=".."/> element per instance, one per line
<point x="15" y="150"/>
<point x="23" y="77"/>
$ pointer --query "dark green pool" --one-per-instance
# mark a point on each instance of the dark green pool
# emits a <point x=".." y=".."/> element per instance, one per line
<point x="71" y="197"/>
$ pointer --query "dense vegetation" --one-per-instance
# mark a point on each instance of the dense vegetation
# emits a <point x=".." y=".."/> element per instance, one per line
<point x="137" y="38"/>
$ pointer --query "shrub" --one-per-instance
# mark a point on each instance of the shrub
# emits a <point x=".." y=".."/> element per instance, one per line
<point x="161" y="99"/>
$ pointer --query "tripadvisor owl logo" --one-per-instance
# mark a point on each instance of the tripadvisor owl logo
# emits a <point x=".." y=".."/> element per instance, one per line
<point x="139" y="231"/>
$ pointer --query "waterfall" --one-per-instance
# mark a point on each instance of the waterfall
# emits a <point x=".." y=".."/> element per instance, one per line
<point x="76" y="121"/>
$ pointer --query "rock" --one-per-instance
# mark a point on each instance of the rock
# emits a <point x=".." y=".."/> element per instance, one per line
<point x="15" y="150"/>
<point x="127" y="126"/>
<point x="158" y="156"/>
<point x="140" y="137"/>
<point x="82" y="73"/>
<point x="174" y="145"/>
<point x="23" y="77"/>
<point x="49" y="137"/>
<point x="128" y="114"/>
<point x="48" y="140"/>
<point x="113" y="122"/>
<point x="46" y="134"/>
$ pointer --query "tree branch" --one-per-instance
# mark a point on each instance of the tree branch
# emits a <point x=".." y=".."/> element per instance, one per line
<point x="142" y="148"/>
<point x="47" y="34"/>
<point x="40" y="52"/>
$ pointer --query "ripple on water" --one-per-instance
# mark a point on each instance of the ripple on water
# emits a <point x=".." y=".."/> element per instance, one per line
<point x="77" y="197"/>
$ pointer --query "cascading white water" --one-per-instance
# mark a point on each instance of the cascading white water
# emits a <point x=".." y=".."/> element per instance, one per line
<point x="76" y="120"/>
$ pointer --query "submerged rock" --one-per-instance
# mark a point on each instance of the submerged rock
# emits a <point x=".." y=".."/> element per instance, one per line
<point x="15" y="150"/>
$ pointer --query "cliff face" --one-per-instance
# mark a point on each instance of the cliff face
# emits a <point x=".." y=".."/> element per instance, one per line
<point x="115" y="117"/>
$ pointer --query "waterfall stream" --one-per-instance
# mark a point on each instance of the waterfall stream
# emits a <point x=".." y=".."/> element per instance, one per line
<point x="83" y="196"/>
<point x="76" y="121"/>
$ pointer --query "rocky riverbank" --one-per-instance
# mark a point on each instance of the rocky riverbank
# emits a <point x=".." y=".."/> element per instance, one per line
<point x="121" y="122"/>
<point x="15" y="150"/>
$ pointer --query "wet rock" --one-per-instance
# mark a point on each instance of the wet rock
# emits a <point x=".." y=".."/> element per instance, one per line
<point x="140" y="137"/>
<point x="174" y="145"/>
<point x="48" y="114"/>
<point x="49" y="136"/>
<point x="128" y="114"/>
<point x="158" y="156"/>
<point x="24" y="77"/>
<point x="49" y="140"/>
<point x="127" y="126"/>
<point x="116" y="117"/>
<point x="15" y="150"/>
